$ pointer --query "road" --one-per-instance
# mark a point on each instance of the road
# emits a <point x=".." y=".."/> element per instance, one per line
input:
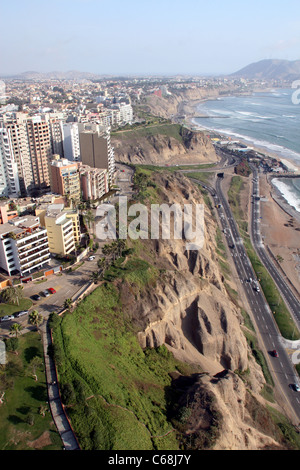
<point x="291" y="301"/>
<point x="281" y="367"/>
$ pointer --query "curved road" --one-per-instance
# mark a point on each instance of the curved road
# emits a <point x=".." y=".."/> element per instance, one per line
<point x="286" y="292"/>
<point x="281" y="366"/>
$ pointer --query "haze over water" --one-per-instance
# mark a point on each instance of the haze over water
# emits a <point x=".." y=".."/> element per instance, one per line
<point x="266" y="120"/>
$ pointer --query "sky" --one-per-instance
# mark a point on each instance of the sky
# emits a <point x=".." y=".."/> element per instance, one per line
<point x="158" y="37"/>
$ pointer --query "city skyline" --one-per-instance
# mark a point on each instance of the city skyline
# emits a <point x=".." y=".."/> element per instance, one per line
<point x="132" y="38"/>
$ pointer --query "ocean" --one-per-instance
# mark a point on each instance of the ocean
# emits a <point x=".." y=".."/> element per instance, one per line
<point x="267" y="120"/>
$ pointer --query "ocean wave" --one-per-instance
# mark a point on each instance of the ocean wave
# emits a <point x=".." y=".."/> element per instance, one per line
<point x="273" y="148"/>
<point x="291" y="197"/>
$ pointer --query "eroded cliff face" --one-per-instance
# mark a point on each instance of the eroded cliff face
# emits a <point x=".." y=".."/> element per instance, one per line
<point x="189" y="311"/>
<point x="160" y="149"/>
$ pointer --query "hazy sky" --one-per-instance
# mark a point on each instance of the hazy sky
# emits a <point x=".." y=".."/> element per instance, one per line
<point x="146" y="37"/>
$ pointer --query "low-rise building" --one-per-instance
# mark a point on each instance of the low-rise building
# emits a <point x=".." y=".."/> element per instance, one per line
<point x="60" y="232"/>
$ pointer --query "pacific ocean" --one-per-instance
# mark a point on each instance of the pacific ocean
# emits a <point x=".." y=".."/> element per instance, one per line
<point x="268" y="120"/>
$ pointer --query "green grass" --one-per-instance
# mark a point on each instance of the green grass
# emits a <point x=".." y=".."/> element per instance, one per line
<point x="123" y="402"/>
<point x="9" y="309"/>
<point x="135" y="271"/>
<point x="169" y="130"/>
<point x="23" y="397"/>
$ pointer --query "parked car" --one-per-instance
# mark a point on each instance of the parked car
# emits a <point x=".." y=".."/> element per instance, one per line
<point x="51" y="290"/>
<point x="36" y="297"/>
<point x="90" y="258"/>
<point x="45" y="293"/>
<point x="21" y="313"/>
<point x="7" y="318"/>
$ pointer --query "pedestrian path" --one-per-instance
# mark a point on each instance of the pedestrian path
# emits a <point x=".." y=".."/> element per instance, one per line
<point x="59" y="417"/>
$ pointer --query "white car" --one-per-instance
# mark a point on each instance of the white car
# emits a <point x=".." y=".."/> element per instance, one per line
<point x="7" y="318"/>
<point x="90" y="258"/>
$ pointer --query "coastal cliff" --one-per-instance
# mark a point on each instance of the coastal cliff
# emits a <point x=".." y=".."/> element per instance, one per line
<point x="190" y="311"/>
<point x="160" y="145"/>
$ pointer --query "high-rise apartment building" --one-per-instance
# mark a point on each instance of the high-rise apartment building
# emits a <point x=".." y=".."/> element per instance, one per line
<point x="71" y="144"/>
<point x="16" y="126"/>
<point x="56" y="135"/>
<point x="9" y="177"/>
<point x="40" y="150"/>
<point x="96" y="150"/>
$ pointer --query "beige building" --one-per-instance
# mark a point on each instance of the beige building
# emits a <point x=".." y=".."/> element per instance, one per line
<point x="40" y="151"/>
<point x="60" y="232"/>
<point x="65" y="178"/>
<point x="94" y="182"/>
<point x="45" y="210"/>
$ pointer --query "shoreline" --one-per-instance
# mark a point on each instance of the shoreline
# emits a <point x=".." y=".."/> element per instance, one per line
<point x="279" y="199"/>
<point x="276" y="194"/>
<point x="263" y="150"/>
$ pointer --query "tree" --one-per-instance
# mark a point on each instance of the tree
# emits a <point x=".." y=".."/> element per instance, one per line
<point x="68" y="303"/>
<point x="15" y="329"/>
<point x="34" y="365"/>
<point x="35" y="318"/>
<point x="12" y="295"/>
<point x="89" y="218"/>
<point x="42" y="410"/>
<point x="95" y="277"/>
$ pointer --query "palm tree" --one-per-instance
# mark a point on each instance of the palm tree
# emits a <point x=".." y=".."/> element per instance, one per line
<point x="89" y="217"/>
<point x="35" y="318"/>
<point x="15" y="328"/>
<point x="68" y="303"/>
<point x="12" y="295"/>
<point x="95" y="276"/>
<point x="18" y="292"/>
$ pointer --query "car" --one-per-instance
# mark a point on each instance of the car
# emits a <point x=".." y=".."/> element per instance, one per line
<point x="274" y="353"/>
<point x="90" y="258"/>
<point x="7" y="318"/>
<point x="45" y="293"/>
<point x="21" y="313"/>
<point x="51" y="290"/>
<point x="295" y="387"/>
<point x="35" y="297"/>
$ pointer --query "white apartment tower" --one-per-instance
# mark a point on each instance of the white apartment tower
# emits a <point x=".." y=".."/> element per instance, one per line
<point x="71" y="146"/>
<point x="9" y="177"/>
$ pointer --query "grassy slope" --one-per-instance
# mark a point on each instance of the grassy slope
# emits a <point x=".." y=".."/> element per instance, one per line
<point x="124" y="386"/>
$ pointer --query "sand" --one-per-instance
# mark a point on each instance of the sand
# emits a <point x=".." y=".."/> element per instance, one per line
<point x="280" y="227"/>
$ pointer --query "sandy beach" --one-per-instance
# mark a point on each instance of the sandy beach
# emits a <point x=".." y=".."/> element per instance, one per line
<point x="280" y="228"/>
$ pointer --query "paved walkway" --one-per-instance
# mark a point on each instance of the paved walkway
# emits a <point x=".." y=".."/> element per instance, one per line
<point x="59" y="417"/>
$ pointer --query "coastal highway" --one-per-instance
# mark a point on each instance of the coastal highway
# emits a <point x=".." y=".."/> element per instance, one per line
<point x="291" y="301"/>
<point x="281" y="367"/>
